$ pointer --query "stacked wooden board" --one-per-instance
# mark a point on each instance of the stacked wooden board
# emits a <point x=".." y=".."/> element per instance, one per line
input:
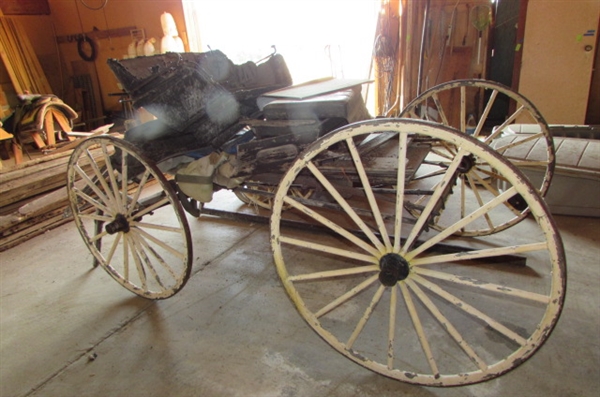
<point x="33" y="198"/>
<point x="20" y="60"/>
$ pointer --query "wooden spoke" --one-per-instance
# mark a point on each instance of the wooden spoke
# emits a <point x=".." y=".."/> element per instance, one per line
<point x="136" y="195"/>
<point x="95" y="203"/>
<point x="121" y="195"/>
<point x="126" y="258"/>
<point x="500" y="289"/>
<point x="331" y="225"/>
<point x="463" y="109"/>
<point x="502" y="126"/>
<point x="111" y="200"/>
<point x="141" y="272"/>
<point x="334" y="273"/>
<point x="345" y="297"/>
<point x="416" y="321"/>
<point x="344" y="204"/>
<point x="484" y="209"/>
<point x="400" y="178"/>
<point x="392" y="328"/>
<point x="462" y="305"/>
<point x="495" y="192"/>
<point x="447" y="326"/>
<point x="433" y="201"/>
<point x="486" y="112"/>
<point x="369" y="193"/>
<point x="149" y="209"/>
<point x="440" y="109"/>
<point x="113" y="248"/>
<point x="158" y="242"/>
<point x="156" y="227"/>
<point x="479" y="200"/>
<point x="531" y="137"/>
<point x="142" y="248"/>
<point x="97" y="217"/>
<point x="328" y="249"/>
<point x="89" y="183"/>
<point x="430" y="175"/>
<point x="366" y="316"/>
<point x="478" y="254"/>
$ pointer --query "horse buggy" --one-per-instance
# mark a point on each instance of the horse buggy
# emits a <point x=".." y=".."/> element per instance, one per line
<point x="413" y="245"/>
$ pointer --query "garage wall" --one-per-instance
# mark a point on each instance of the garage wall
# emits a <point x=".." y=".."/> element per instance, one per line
<point x="557" y="67"/>
<point x="555" y="73"/>
<point x="68" y="18"/>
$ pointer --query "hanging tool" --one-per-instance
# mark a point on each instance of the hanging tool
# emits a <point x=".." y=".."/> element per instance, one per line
<point x="481" y="17"/>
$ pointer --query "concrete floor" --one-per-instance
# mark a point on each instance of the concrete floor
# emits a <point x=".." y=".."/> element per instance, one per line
<point x="69" y="330"/>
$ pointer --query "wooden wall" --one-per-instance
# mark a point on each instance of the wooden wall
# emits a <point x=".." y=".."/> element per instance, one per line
<point x="555" y="71"/>
<point x="62" y="62"/>
<point x="449" y="44"/>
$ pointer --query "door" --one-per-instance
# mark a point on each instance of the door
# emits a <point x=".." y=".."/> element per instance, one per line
<point x="558" y="56"/>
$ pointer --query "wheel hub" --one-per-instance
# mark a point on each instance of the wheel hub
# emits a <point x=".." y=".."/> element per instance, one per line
<point x="394" y="268"/>
<point x="518" y="202"/>
<point x="466" y="163"/>
<point x="120" y="224"/>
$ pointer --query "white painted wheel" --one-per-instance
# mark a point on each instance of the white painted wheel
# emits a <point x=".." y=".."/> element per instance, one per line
<point x="129" y="217"/>
<point x="409" y="302"/>
<point x="452" y="103"/>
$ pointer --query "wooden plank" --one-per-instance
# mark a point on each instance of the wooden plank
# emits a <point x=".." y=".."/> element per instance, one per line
<point x="33" y="185"/>
<point x="39" y="82"/>
<point x="17" y="152"/>
<point x="37" y="207"/>
<point x="23" y="66"/>
<point x="318" y="87"/>
<point x="98" y="131"/>
<point x="40" y="180"/>
<point x="30" y="163"/>
<point x="41" y="225"/>
<point x="20" y="173"/>
<point x="37" y="139"/>
<point x="64" y="123"/>
<point x="49" y="127"/>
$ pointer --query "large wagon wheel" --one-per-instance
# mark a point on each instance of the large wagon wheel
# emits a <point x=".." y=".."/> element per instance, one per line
<point x="129" y="217"/>
<point x="455" y="103"/>
<point x="421" y="306"/>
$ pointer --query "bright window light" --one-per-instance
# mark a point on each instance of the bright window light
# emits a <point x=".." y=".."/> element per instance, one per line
<point x="317" y="38"/>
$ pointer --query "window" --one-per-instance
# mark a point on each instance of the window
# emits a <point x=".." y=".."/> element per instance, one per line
<point x="317" y="38"/>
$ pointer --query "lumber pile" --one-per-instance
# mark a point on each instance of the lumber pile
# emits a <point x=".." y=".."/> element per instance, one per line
<point x="33" y="196"/>
<point x="23" y="66"/>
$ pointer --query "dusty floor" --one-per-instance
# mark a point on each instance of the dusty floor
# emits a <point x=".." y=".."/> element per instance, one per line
<point x="70" y="330"/>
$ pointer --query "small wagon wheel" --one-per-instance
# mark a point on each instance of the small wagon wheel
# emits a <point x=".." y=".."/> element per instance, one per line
<point x="129" y="217"/>
<point x="468" y="106"/>
<point x="417" y="305"/>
